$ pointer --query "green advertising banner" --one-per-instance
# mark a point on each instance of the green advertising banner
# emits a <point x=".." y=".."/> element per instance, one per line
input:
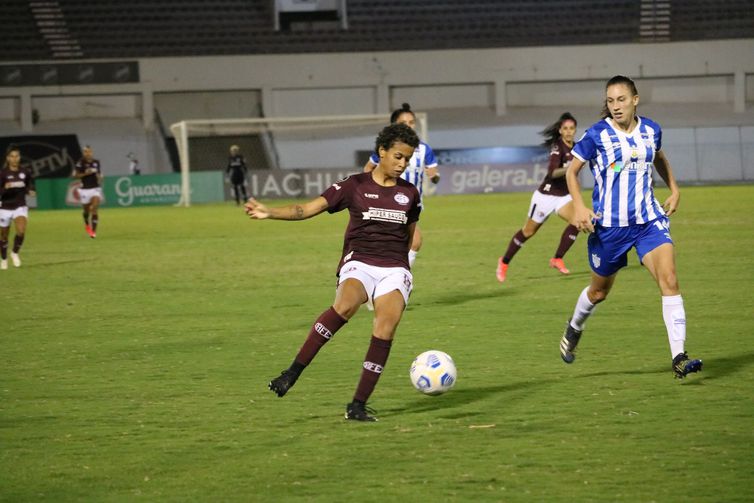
<point x="126" y="191"/>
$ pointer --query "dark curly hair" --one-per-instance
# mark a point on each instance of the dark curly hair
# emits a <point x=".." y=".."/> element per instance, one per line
<point x="394" y="133"/>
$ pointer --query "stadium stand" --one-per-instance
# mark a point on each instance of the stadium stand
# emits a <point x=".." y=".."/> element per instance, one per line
<point x="491" y="103"/>
<point x="69" y="29"/>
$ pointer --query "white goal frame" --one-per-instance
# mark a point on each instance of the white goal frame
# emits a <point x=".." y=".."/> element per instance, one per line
<point x="182" y="132"/>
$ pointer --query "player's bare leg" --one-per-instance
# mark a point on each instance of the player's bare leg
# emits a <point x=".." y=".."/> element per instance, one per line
<point x="567" y="239"/>
<point x="592" y="295"/>
<point x="87" y="227"/>
<point x="348" y="298"/>
<point x="94" y="206"/>
<point x="18" y="240"/>
<point x="4" y="233"/>
<point x="388" y="310"/>
<point x="517" y="241"/>
<point x="660" y="263"/>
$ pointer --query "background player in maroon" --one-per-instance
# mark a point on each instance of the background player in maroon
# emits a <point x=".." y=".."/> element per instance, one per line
<point x="374" y="266"/>
<point x="551" y="196"/>
<point x="15" y="183"/>
<point x="89" y="171"/>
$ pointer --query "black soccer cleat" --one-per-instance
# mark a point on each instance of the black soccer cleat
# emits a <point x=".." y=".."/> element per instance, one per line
<point x="682" y="365"/>
<point x="358" y="411"/>
<point x="285" y="381"/>
<point x="568" y="343"/>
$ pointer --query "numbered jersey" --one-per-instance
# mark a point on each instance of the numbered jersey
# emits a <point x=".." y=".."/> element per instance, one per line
<point x="377" y="232"/>
<point x="622" y="165"/>
<point x="423" y="158"/>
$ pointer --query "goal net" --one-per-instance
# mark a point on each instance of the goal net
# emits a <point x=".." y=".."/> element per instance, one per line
<point x="340" y="142"/>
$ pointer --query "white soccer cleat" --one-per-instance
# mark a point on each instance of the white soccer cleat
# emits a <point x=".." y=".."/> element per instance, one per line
<point x="15" y="259"/>
<point x="3" y="264"/>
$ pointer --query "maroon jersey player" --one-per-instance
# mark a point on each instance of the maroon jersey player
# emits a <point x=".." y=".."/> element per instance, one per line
<point x="373" y="267"/>
<point x="15" y="183"/>
<point x="551" y="197"/>
<point x="89" y="171"/>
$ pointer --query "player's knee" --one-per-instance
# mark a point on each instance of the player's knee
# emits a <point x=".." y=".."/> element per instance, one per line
<point x="384" y="329"/>
<point x="597" y="295"/>
<point x="345" y="309"/>
<point x="529" y="229"/>
<point x="668" y="283"/>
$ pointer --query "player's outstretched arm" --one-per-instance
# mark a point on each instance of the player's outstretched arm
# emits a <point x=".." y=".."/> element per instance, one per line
<point x="259" y="211"/>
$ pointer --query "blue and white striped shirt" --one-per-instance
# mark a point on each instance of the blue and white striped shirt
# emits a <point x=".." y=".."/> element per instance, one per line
<point x="622" y="165"/>
<point x="423" y="158"/>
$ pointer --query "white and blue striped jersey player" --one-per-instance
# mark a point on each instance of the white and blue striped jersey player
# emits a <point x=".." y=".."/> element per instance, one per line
<point x="622" y="165"/>
<point x="628" y="214"/>
<point x="423" y="158"/>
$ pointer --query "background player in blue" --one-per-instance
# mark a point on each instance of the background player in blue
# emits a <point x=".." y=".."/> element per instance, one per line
<point x="383" y="212"/>
<point x="551" y="197"/>
<point x="422" y="162"/>
<point x="15" y="183"/>
<point x="623" y="149"/>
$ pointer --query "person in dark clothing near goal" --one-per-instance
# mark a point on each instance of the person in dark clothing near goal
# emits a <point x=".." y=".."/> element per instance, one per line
<point x="236" y="172"/>
<point x="374" y="265"/>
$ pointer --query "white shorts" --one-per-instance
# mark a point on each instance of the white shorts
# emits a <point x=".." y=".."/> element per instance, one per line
<point x="6" y="216"/>
<point x="544" y="205"/>
<point x="86" y="195"/>
<point x="378" y="281"/>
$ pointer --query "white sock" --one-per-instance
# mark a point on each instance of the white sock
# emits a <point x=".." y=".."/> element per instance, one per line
<point x="675" y="322"/>
<point x="582" y="312"/>
<point x="412" y="257"/>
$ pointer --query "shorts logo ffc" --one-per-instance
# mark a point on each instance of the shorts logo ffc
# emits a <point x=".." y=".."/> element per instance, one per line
<point x="596" y="260"/>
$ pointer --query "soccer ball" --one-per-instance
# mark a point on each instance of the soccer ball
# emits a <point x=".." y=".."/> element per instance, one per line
<point x="433" y="372"/>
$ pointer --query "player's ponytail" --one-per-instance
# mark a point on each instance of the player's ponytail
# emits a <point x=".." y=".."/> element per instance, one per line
<point x="405" y="109"/>
<point x="552" y="132"/>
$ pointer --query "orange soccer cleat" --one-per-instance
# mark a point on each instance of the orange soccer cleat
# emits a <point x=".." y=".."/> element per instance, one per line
<point x="502" y="270"/>
<point x="557" y="263"/>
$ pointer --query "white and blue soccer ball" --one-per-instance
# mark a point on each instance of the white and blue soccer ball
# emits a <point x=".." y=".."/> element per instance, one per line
<point x="433" y="372"/>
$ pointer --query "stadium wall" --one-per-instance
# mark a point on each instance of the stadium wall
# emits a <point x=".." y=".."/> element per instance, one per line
<point x="475" y="98"/>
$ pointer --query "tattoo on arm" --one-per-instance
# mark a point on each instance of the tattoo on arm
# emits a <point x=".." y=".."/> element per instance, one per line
<point x="298" y="212"/>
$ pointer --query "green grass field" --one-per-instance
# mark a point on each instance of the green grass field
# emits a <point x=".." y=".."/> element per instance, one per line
<point x="135" y="366"/>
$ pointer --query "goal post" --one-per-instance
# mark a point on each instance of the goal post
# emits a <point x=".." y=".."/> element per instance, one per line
<point x="336" y="141"/>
